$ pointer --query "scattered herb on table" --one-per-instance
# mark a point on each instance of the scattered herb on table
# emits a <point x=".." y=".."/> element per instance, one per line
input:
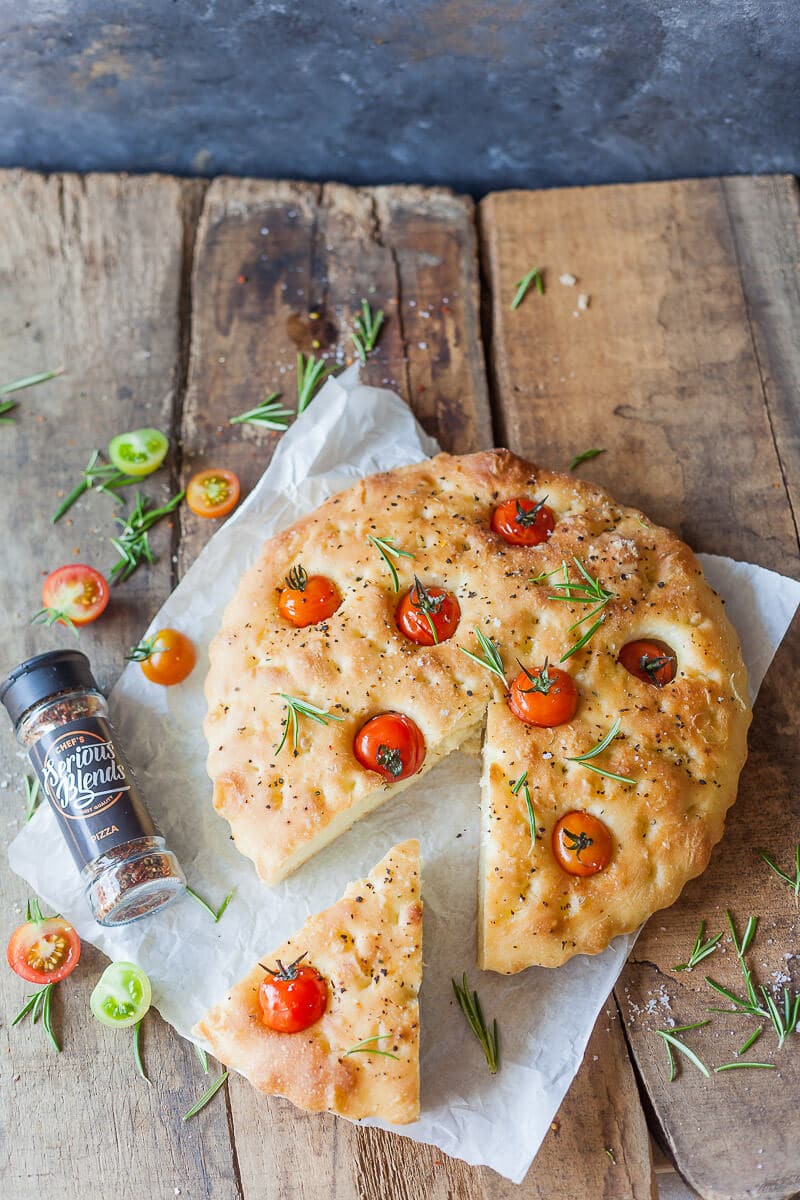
<point x="366" y="1048"/>
<point x="97" y="476"/>
<point x="700" y="950"/>
<point x="738" y="1066"/>
<point x="583" y="760"/>
<point x="202" y="1057"/>
<point x="137" y="1050"/>
<point x="784" y="1015"/>
<point x="301" y="708"/>
<point x="585" y="456"/>
<point x="133" y="543"/>
<point x="607" y="1150"/>
<point x="751" y="1041"/>
<point x="674" y="1043"/>
<point x="488" y="1038"/>
<point x="387" y="550"/>
<point x="522" y="783"/>
<point x="794" y="884"/>
<point x="218" y="913"/>
<point x="17" y="385"/>
<point x="269" y="414"/>
<point x="204" y="1099"/>
<point x="33" y="796"/>
<point x="311" y="374"/>
<point x="490" y="657"/>
<point x="40" y="1005"/>
<point x="533" y="278"/>
<point x="589" y="591"/>
<point x="367" y="326"/>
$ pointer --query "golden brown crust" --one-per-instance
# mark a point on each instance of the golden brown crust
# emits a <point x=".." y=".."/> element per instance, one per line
<point x="368" y="946"/>
<point x="691" y="735"/>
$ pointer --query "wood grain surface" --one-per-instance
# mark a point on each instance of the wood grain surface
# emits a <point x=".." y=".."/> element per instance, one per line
<point x="682" y="368"/>
<point x="179" y="304"/>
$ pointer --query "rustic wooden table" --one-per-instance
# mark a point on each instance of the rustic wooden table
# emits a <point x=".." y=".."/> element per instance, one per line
<point x="178" y="303"/>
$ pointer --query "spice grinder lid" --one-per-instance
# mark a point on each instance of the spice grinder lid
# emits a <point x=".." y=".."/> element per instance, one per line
<point x="45" y="675"/>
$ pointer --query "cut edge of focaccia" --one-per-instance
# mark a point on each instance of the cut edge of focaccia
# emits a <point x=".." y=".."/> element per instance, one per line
<point x="368" y="946"/>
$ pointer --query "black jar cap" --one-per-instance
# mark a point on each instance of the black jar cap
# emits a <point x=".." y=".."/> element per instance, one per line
<point x="45" y="675"/>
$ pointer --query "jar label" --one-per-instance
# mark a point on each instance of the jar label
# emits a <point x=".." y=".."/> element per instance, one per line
<point x="90" y="787"/>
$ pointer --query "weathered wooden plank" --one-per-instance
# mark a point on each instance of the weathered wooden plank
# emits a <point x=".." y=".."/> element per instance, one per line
<point x="664" y="369"/>
<point x="268" y="256"/>
<point x="90" y="278"/>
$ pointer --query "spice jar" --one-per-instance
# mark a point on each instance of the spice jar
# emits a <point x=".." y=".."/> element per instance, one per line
<point x="61" y="718"/>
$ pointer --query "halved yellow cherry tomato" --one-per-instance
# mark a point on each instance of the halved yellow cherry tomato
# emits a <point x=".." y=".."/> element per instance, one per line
<point x="213" y="493"/>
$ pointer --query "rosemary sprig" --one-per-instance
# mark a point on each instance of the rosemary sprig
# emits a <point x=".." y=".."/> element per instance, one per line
<point x="603" y="744"/>
<point x="269" y="414"/>
<point x="217" y="915"/>
<point x="585" y="456"/>
<point x="470" y="1006"/>
<point x="427" y="604"/>
<point x="674" y="1043"/>
<point x="133" y="543"/>
<point x="17" y="385"/>
<point x="590" y="592"/>
<point x="202" y="1057"/>
<point x="102" y="477"/>
<point x="534" y="276"/>
<point x="311" y="373"/>
<point x="40" y="1005"/>
<point x="301" y="708"/>
<point x="366" y="328"/>
<point x="700" y="949"/>
<point x="387" y="550"/>
<point x="794" y="884"/>
<point x="32" y="796"/>
<point x="54" y="616"/>
<point x="204" y="1099"/>
<point x="490" y="659"/>
<point x="137" y="1050"/>
<point x="365" y="1048"/>
<point x="738" y="1066"/>
<point x="522" y="783"/>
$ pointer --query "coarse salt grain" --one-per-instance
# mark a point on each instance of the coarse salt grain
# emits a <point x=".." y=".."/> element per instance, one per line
<point x="567" y="279"/>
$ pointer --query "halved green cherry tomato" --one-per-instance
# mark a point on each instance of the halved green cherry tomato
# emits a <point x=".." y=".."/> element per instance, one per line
<point x="74" y="593"/>
<point x="139" y="452"/>
<point x="121" y="996"/>
<point x="44" y="949"/>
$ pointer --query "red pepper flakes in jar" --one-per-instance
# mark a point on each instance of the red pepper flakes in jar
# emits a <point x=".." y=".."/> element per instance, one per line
<point x="61" y="718"/>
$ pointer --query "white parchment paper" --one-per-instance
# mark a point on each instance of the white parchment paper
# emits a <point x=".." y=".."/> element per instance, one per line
<point x="546" y="1017"/>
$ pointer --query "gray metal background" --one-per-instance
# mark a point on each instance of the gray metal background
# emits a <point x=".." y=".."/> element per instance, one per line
<point x="471" y="93"/>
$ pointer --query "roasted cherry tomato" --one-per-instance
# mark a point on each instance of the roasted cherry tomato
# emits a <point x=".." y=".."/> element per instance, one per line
<point x="139" y="452"/>
<point x="428" y="616"/>
<point x="650" y="660"/>
<point x="74" y="594"/>
<point x="308" y="599"/>
<point x="581" y="844"/>
<point x="44" y="949"/>
<point x="292" y="998"/>
<point x="392" y="745"/>
<point x="545" y="697"/>
<point x="121" y="996"/>
<point x="167" y="657"/>
<point x="213" y="493"/>
<point x="523" y="522"/>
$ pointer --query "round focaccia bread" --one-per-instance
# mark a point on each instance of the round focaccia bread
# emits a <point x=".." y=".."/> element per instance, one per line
<point x="683" y="745"/>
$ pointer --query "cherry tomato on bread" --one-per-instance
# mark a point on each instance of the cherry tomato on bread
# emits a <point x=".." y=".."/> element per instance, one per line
<point x="308" y="599"/>
<point x="44" y="949"/>
<point x="74" y="594"/>
<point x="292" y="998"/>
<point x="213" y="493"/>
<point x="522" y="522"/>
<point x="427" y="616"/>
<point x="392" y="745"/>
<point x="167" y="658"/>
<point x="650" y="660"/>
<point x="546" y="696"/>
<point x="582" y="844"/>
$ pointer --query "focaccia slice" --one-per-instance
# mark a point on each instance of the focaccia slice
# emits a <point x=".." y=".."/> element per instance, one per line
<point x="368" y="947"/>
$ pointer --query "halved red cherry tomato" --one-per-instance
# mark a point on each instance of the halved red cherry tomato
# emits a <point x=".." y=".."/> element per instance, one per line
<point x="650" y="660"/>
<point x="428" y="616"/>
<point x="391" y="744"/>
<point x="167" y="658"/>
<point x="582" y="844"/>
<point x="213" y="493"/>
<point x="546" y="696"/>
<point x="523" y="522"/>
<point x="308" y="599"/>
<point x="292" y="998"/>
<point x="44" y="949"/>
<point x="75" y="593"/>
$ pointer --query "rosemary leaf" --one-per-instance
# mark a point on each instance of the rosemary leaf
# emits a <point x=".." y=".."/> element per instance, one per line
<point x="738" y="1066"/>
<point x="470" y="1006"/>
<point x="133" y="544"/>
<point x="700" y="949"/>
<point x="366" y="328"/>
<point x="217" y="915"/>
<point x="301" y="708"/>
<point x="585" y="456"/>
<point x="751" y="1041"/>
<point x="311" y="374"/>
<point x="533" y="278"/>
<point x="269" y="414"/>
<point x="29" y="381"/>
<point x="365" y="1047"/>
<point x="32" y="796"/>
<point x="204" y="1099"/>
<point x="522" y="782"/>
<point x="794" y="884"/>
<point x="202" y="1056"/>
<point x="490" y="659"/>
<point x="583" y="760"/>
<point x="676" y="1044"/>
<point x="388" y="550"/>
<point x="137" y="1050"/>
